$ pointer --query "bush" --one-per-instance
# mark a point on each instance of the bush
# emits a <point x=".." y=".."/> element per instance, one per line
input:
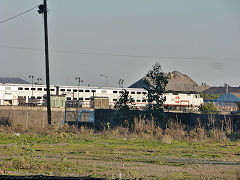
<point x="208" y="108"/>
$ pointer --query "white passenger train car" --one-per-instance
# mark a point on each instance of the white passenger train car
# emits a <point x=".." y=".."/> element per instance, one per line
<point x="15" y="94"/>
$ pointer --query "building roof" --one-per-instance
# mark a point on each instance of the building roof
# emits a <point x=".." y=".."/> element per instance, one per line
<point x="7" y="80"/>
<point x="222" y="90"/>
<point x="228" y="98"/>
<point x="176" y="82"/>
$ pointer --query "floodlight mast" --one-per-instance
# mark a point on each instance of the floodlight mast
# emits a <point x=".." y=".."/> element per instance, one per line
<point x="43" y="10"/>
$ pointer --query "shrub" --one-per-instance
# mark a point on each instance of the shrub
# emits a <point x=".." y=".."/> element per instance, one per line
<point x="208" y="108"/>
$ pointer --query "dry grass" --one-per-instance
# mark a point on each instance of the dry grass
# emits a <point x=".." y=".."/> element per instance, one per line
<point x="177" y="131"/>
<point x="18" y="163"/>
<point x="142" y="151"/>
<point x="142" y="128"/>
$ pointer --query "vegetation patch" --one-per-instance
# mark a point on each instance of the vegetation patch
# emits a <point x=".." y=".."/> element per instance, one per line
<point x="69" y="151"/>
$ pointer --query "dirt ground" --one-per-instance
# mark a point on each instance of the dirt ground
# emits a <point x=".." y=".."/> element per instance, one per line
<point x="111" y="156"/>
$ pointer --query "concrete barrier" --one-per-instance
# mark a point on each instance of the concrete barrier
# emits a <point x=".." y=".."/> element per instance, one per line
<point x="30" y="117"/>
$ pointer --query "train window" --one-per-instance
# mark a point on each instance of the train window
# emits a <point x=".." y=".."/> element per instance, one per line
<point x="74" y="90"/>
<point x="120" y="92"/>
<point x="68" y="98"/>
<point x="93" y="90"/>
<point x="39" y="89"/>
<point x="20" y="88"/>
<point x="114" y="99"/>
<point x="138" y="92"/>
<point x="175" y="93"/>
<point x="144" y="100"/>
<point x="104" y="91"/>
<point x="87" y="90"/>
<point x="74" y="98"/>
<point x="33" y="88"/>
<point x="45" y="89"/>
<point x="144" y="92"/>
<point x="69" y="90"/>
<point x="81" y="90"/>
<point x="138" y="101"/>
<point x="81" y="99"/>
<point x="39" y="97"/>
<point x="26" y="88"/>
<point x="52" y="89"/>
<point x="132" y="92"/>
<point x="62" y="89"/>
<point x="32" y="97"/>
<point x="133" y="100"/>
<point x="114" y="91"/>
<point x="87" y="98"/>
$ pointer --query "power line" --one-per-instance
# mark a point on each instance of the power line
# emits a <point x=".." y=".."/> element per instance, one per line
<point x="123" y="55"/>
<point x="18" y="15"/>
<point x="21" y="48"/>
<point x="144" y="56"/>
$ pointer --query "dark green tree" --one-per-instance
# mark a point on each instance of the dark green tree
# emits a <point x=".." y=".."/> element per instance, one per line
<point x="124" y="102"/>
<point x="125" y="114"/>
<point x="155" y="84"/>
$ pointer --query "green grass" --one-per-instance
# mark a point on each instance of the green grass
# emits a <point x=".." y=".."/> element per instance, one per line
<point x="107" y="155"/>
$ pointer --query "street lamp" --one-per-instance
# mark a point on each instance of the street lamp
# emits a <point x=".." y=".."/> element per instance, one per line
<point x="31" y="76"/>
<point x="79" y="81"/>
<point x="38" y="80"/>
<point x="106" y="77"/>
<point x="120" y="83"/>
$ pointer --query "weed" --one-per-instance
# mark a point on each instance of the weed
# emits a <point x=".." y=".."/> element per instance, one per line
<point x="167" y="139"/>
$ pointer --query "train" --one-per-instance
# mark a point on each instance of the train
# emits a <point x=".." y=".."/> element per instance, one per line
<point x="19" y="94"/>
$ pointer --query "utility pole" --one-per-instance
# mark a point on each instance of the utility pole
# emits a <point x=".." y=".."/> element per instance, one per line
<point x="43" y="10"/>
<point x="79" y="81"/>
<point x="106" y="77"/>
<point x="38" y="80"/>
<point x="31" y="76"/>
<point x="120" y="83"/>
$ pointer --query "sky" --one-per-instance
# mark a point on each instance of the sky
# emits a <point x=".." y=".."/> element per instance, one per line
<point x="122" y="39"/>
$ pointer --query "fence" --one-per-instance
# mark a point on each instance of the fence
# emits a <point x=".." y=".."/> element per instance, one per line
<point x="36" y="117"/>
<point x="30" y="117"/>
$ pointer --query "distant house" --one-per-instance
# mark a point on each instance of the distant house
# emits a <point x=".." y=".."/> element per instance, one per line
<point x="8" y="80"/>
<point x="222" y="90"/>
<point x="227" y="102"/>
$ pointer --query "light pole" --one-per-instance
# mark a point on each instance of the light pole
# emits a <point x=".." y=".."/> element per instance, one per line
<point x="120" y="83"/>
<point x="106" y="77"/>
<point x="38" y="80"/>
<point x="42" y="9"/>
<point x="31" y="76"/>
<point x="79" y="81"/>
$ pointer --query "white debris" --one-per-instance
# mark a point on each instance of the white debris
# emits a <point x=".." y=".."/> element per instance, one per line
<point x="17" y="134"/>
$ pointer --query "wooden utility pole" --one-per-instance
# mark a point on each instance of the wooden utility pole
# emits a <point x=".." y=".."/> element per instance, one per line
<point x="43" y="10"/>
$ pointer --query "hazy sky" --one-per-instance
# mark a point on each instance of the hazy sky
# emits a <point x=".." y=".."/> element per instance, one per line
<point x="200" y="38"/>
